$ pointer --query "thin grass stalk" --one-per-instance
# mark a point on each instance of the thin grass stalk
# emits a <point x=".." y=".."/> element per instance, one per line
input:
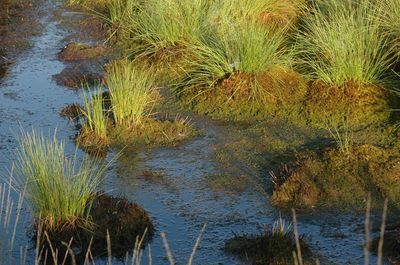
<point x="109" y="248"/>
<point x="149" y="254"/>
<point x="296" y="235"/>
<point x="167" y="249"/>
<point x="196" y="245"/>
<point x="367" y="228"/>
<point x="70" y="252"/>
<point x="382" y="234"/>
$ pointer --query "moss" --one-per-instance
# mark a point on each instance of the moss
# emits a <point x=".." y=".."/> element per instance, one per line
<point x="151" y="132"/>
<point x="334" y="178"/>
<point x="361" y="105"/>
<point x="124" y="221"/>
<point x="80" y="51"/>
<point x="228" y="183"/>
<point x="269" y="248"/>
<point x="246" y="97"/>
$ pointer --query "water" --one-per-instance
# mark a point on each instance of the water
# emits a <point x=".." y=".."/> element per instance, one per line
<point x="181" y="202"/>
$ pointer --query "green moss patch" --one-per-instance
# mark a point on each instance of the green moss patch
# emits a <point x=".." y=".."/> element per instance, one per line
<point x="361" y="105"/>
<point x="228" y="183"/>
<point x="151" y="132"/>
<point x="335" y="178"/>
<point x="80" y="51"/>
<point x="233" y="98"/>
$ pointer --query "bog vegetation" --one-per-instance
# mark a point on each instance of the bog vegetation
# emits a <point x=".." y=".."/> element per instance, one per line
<point x="326" y="65"/>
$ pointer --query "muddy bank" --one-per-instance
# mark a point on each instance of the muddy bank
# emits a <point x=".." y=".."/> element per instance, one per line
<point x="18" y="23"/>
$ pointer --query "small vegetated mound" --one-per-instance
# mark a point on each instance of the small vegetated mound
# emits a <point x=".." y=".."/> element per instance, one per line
<point x="115" y="224"/>
<point x="342" y="49"/>
<point x="275" y="246"/>
<point x="62" y="196"/>
<point x="80" y="51"/>
<point x="241" y="71"/>
<point x="339" y="177"/>
<point x="125" y="116"/>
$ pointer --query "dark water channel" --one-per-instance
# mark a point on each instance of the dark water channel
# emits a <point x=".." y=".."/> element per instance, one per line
<point x="180" y="202"/>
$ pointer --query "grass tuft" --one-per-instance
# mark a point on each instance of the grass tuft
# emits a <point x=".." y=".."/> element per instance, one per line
<point x="159" y="25"/>
<point x="341" y="41"/>
<point x="59" y="189"/>
<point x="132" y="93"/>
<point x="248" y="49"/>
<point x="96" y="121"/>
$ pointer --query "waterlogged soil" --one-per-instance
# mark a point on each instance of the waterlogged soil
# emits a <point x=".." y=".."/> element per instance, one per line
<point x="174" y="184"/>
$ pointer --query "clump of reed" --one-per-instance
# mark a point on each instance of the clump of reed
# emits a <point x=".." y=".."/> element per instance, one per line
<point x="93" y="111"/>
<point x="158" y="26"/>
<point x="244" y="49"/>
<point x="59" y="189"/>
<point x="268" y="12"/>
<point x="342" y="41"/>
<point x="132" y="93"/>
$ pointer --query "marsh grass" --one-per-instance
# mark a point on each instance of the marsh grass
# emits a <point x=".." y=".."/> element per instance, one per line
<point x="249" y="49"/>
<point x="93" y="111"/>
<point x="391" y="18"/>
<point x="159" y="25"/>
<point x="59" y="189"/>
<point x="342" y="41"/>
<point x="266" y="12"/>
<point x="132" y="93"/>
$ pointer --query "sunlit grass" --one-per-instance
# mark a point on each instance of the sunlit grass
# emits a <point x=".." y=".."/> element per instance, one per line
<point x="132" y="93"/>
<point x="93" y="111"/>
<point x="160" y="25"/>
<point x="248" y="48"/>
<point x="59" y="189"/>
<point x="342" y="41"/>
<point x="278" y="12"/>
<point x="390" y="19"/>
